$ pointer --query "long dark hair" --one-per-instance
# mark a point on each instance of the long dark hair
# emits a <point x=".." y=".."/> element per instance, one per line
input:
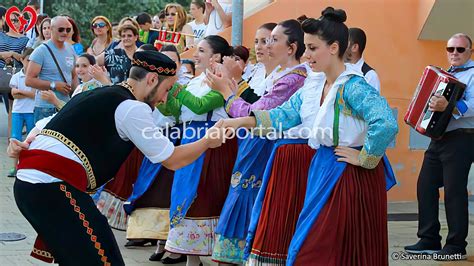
<point x="329" y="27"/>
<point x="41" y="34"/>
<point x="219" y="45"/>
<point x="295" y="35"/>
<point x="76" y="36"/>
<point x="3" y="11"/>
<point x="268" y="26"/>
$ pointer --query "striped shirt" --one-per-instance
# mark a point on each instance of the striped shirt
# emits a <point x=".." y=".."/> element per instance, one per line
<point x="9" y="43"/>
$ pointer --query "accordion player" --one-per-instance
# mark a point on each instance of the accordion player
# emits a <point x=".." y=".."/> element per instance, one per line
<point x="434" y="81"/>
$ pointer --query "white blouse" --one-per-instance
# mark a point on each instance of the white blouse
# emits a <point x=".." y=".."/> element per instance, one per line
<point x="352" y="131"/>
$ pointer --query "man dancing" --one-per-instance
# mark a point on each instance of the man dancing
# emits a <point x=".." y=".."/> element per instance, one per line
<point x="81" y="148"/>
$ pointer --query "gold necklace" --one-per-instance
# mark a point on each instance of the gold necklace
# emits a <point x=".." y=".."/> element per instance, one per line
<point x="127" y="86"/>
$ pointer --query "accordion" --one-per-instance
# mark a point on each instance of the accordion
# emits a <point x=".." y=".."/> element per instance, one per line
<point x="439" y="82"/>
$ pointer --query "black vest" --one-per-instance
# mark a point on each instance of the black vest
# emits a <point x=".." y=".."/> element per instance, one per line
<point x="366" y="68"/>
<point x="86" y="124"/>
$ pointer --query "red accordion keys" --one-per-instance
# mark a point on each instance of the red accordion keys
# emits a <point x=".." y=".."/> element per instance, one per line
<point x="439" y="82"/>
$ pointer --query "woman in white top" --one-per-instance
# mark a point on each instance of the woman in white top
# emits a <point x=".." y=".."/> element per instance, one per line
<point x="344" y="217"/>
<point x="199" y="190"/>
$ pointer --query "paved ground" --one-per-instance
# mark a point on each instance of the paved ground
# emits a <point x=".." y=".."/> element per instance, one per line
<point x="16" y="253"/>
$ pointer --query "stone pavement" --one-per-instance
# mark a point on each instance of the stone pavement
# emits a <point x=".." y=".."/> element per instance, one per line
<point x="17" y="253"/>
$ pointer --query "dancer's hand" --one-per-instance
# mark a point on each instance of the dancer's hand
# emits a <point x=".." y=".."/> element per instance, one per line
<point x="221" y="84"/>
<point x="234" y="69"/>
<point x="231" y="123"/>
<point x="217" y="135"/>
<point x="348" y="155"/>
<point x="15" y="147"/>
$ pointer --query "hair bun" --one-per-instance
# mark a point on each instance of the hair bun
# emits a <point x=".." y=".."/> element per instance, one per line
<point x="336" y="15"/>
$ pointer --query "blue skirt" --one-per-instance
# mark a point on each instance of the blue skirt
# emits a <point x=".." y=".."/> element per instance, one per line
<point x="186" y="179"/>
<point x="246" y="181"/>
<point x="147" y="174"/>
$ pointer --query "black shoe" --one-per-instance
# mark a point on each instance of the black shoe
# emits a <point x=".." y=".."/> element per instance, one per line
<point x="450" y="254"/>
<point x="141" y="242"/>
<point x="423" y="248"/>
<point x="157" y="256"/>
<point x="169" y="260"/>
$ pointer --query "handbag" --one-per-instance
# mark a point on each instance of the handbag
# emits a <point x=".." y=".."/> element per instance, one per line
<point x="6" y="74"/>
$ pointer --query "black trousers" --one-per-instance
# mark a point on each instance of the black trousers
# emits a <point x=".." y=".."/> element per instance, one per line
<point x="446" y="164"/>
<point x="67" y="220"/>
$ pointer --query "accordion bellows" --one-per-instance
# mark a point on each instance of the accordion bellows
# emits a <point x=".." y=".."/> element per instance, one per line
<point x="439" y="82"/>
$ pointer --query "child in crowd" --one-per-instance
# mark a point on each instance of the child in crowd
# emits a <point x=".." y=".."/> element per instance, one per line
<point x="23" y="104"/>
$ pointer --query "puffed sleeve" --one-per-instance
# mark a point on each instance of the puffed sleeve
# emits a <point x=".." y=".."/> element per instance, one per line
<point x="282" y="117"/>
<point x="367" y="103"/>
<point x="282" y="90"/>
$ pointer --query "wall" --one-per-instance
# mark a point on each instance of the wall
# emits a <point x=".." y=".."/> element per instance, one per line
<point x="393" y="49"/>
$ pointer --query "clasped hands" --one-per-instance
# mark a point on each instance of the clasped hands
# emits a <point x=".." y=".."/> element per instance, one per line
<point x="226" y="128"/>
<point x="224" y="77"/>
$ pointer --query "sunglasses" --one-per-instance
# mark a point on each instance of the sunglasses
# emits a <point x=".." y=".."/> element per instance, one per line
<point x="61" y="29"/>
<point x="170" y="14"/>
<point x="15" y="20"/>
<point x="459" y="49"/>
<point x="99" y="25"/>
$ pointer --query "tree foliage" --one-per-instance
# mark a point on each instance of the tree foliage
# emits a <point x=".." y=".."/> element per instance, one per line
<point x="84" y="11"/>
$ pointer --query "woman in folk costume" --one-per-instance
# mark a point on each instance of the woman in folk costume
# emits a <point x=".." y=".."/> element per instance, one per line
<point x="199" y="191"/>
<point x="280" y="198"/>
<point x="261" y="76"/>
<point x="285" y="51"/>
<point x="148" y="206"/>
<point x="344" y="218"/>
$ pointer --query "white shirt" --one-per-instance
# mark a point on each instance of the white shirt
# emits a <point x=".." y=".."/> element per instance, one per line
<point x="371" y="76"/>
<point x="198" y="30"/>
<point x="25" y="105"/>
<point x="215" y="25"/>
<point x="161" y="120"/>
<point x="134" y="122"/>
<point x="310" y="94"/>
<point x="352" y="131"/>
<point x="199" y="88"/>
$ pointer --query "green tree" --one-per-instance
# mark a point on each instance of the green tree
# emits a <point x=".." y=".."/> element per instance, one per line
<point x="85" y="10"/>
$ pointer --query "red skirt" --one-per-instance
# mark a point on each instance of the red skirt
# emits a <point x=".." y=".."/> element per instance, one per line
<point x="121" y="186"/>
<point x="282" y="204"/>
<point x="117" y="191"/>
<point x="352" y="227"/>
<point x="214" y="181"/>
